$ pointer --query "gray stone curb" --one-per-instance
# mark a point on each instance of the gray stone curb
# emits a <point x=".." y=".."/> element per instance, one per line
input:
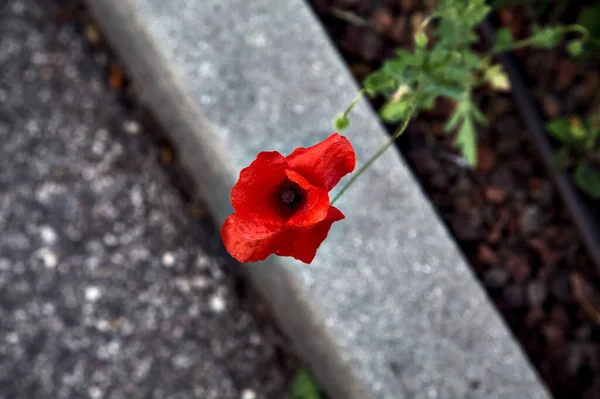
<point x="389" y="309"/>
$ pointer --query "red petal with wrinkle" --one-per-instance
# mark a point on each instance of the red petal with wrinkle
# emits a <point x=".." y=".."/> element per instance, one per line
<point x="248" y="238"/>
<point x="253" y="193"/>
<point x="325" y="163"/>
<point x="302" y="242"/>
<point x="315" y="205"/>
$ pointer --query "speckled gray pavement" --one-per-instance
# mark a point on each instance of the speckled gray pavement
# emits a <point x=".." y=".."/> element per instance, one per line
<point x="107" y="288"/>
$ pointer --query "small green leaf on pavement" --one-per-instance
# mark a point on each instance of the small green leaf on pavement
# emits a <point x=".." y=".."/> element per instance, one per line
<point x="304" y="386"/>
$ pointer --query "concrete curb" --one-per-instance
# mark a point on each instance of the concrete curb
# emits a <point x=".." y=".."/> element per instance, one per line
<point x="388" y="309"/>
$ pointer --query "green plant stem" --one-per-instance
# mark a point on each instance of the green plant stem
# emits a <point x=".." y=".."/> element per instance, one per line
<point x="427" y="21"/>
<point x="354" y="102"/>
<point x="514" y="46"/>
<point x="585" y="36"/>
<point x="375" y="156"/>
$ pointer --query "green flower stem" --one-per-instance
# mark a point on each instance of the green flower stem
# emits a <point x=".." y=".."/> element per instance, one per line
<point x="354" y="102"/>
<point x="379" y="153"/>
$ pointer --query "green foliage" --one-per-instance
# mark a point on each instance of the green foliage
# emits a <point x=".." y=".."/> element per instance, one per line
<point x="589" y="18"/>
<point x="542" y="37"/>
<point x="587" y="178"/>
<point x="587" y="24"/>
<point x="445" y="65"/>
<point x="463" y="117"/>
<point x="305" y="386"/>
<point x="574" y="132"/>
<point x="504" y="40"/>
<point x="466" y="140"/>
<point x="448" y="68"/>
<point x="395" y="111"/>
<point x="546" y="37"/>
<point x="579" y="139"/>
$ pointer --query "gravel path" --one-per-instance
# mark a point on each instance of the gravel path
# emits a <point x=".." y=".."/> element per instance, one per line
<point x="108" y="288"/>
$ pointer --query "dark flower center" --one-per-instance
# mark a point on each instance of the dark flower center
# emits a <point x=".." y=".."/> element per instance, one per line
<point x="289" y="197"/>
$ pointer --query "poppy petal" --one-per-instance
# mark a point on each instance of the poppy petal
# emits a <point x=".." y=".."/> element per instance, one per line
<point x="325" y="163"/>
<point x="254" y="190"/>
<point x="315" y="206"/>
<point x="248" y="238"/>
<point x="302" y="242"/>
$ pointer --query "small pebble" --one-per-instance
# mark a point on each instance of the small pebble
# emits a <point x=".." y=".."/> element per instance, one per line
<point x="495" y="278"/>
<point x="12" y="338"/>
<point x="371" y="45"/>
<point x="552" y="334"/>
<point x="583" y="333"/>
<point x="519" y="268"/>
<point x="559" y="317"/>
<point x="47" y="234"/>
<point x="531" y="220"/>
<point x="248" y="394"/>
<point x="131" y="127"/>
<point x="217" y="304"/>
<point x="486" y="158"/>
<point x="495" y="195"/>
<point x="536" y="293"/>
<point x="550" y="106"/>
<point x="103" y="325"/>
<point x="466" y="226"/>
<point x="95" y="393"/>
<point x="514" y="295"/>
<point x="567" y="71"/>
<point x="561" y="287"/>
<point x="408" y="5"/>
<point x="48" y="257"/>
<point x="92" y="293"/>
<point x="168" y="259"/>
<point x="199" y="282"/>
<point x="110" y="239"/>
<point x="382" y="17"/>
<point x="575" y="357"/>
<point x="398" y="30"/>
<point x="486" y="255"/>
<point x="534" y="317"/>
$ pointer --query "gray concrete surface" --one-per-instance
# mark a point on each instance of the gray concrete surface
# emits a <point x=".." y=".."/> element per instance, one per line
<point x="389" y="309"/>
<point x="108" y="289"/>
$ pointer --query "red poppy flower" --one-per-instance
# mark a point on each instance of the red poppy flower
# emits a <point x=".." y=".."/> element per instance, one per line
<point x="282" y="203"/>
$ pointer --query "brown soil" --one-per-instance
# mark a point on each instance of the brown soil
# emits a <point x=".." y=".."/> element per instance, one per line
<point x="506" y="214"/>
